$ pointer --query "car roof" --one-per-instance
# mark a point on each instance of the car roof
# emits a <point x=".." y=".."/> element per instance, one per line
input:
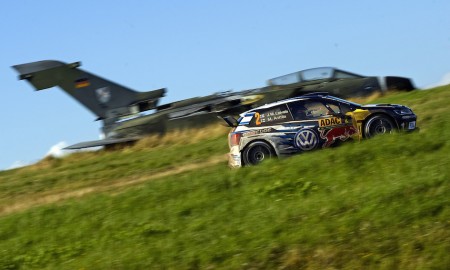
<point x="303" y="97"/>
<point x="314" y="95"/>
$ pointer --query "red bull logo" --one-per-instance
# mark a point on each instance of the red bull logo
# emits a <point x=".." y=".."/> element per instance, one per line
<point x="341" y="133"/>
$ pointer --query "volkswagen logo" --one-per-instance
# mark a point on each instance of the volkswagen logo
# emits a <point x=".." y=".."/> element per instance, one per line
<point x="306" y="139"/>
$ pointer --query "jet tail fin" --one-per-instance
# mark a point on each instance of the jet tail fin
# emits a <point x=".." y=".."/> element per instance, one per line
<point x="106" y="99"/>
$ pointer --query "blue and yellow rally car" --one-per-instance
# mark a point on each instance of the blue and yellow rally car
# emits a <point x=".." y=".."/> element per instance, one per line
<point x="309" y="122"/>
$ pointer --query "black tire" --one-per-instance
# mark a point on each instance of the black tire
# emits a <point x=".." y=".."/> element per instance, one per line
<point x="257" y="152"/>
<point x="378" y="124"/>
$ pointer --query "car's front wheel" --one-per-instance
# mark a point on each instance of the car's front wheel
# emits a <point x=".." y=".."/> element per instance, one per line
<point x="256" y="152"/>
<point x="378" y="124"/>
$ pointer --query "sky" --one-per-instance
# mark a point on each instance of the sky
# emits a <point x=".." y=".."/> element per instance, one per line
<point x="195" y="48"/>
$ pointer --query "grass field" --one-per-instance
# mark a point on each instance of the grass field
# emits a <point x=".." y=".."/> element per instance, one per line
<point x="172" y="203"/>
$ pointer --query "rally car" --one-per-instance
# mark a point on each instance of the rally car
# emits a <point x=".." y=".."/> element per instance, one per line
<point x="309" y="122"/>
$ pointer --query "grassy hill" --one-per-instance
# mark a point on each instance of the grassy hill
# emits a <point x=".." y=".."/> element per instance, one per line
<point x="172" y="203"/>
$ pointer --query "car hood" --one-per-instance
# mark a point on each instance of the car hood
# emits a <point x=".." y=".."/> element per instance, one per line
<point x="383" y="106"/>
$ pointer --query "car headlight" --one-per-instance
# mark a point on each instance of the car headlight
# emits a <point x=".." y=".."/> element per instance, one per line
<point x="403" y="111"/>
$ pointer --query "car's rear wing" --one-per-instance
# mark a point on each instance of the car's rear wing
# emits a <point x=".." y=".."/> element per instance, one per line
<point x="230" y="120"/>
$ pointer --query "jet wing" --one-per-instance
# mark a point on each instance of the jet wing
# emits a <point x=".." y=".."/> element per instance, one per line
<point x="217" y="105"/>
<point x="188" y="112"/>
<point x="101" y="143"/>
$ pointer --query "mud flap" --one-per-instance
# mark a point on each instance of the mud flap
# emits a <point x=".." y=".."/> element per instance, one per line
<point x="358" y="117"/>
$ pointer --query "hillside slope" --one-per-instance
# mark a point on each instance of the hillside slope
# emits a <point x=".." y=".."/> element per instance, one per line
<point x="381" y="203"/>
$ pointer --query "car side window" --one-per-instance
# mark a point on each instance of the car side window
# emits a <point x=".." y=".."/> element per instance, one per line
<point x="338" y="108"/>
<point x="345" y="108"/>
<point x="335" y="108"/>
<point x="271" y="116"/>
<point x="298" y="110"/>
<point x="317" y="109"/>
<point x="307" y="110"/>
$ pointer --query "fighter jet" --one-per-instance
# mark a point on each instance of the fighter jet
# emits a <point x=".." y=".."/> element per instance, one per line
<point x="123" y="111"/>
<point x="128" y="115"/>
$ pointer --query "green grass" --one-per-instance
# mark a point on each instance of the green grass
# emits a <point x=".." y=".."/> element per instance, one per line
<point x="378" y="204"/>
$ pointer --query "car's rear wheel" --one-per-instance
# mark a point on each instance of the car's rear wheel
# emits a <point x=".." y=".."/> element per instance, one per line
<point x="257" y="152"/>
<point x="378" y="124"/>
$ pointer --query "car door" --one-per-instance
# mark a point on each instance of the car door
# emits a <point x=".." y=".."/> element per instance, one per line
<point x="263" y="124"/>
<point x="323" y="124"/>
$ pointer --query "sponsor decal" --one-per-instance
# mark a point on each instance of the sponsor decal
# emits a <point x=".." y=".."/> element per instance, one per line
<point x="103" y="94"/>
<point x="236" y="158"/>
<point x="288" y="128"/>
<point x="81" y="83"/>
<point x="258" y="131"/>
<point x="341" y="133"/>
<point x="306" y="139"/>
<point x="330" y="121"/>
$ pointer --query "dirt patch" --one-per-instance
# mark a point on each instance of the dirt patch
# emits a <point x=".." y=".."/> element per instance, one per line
<point x="44" y="199"/>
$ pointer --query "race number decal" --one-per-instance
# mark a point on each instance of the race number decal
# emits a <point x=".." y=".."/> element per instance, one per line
<point x="257" y="119"/>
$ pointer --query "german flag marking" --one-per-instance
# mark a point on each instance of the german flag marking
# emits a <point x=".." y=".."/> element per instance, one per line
<point x="81" y="83"/>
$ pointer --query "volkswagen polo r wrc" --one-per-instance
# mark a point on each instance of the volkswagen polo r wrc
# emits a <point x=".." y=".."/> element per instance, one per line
<point x="309" y="122"/>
